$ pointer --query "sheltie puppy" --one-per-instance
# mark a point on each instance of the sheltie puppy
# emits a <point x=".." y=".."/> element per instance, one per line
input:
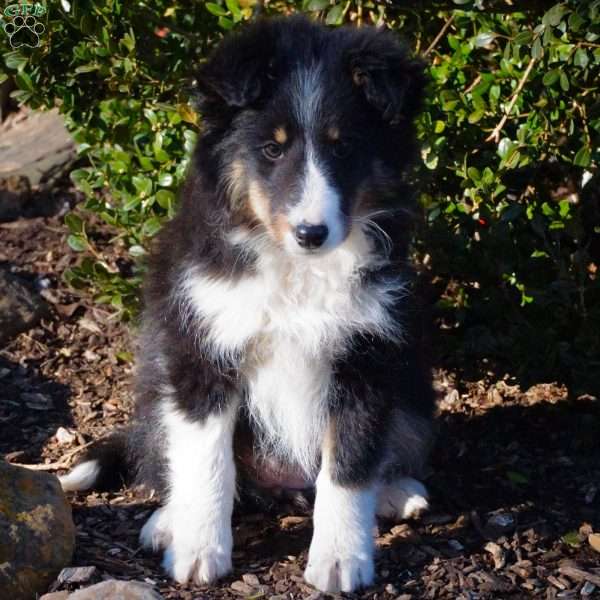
<point x="280" y="336"/>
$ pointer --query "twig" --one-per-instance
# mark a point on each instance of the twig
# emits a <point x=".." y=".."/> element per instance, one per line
<point x="439" y="36"/>
<point x="473" y="85"/>
<point x="63" y="463"/>
<point x="495" y="135"/>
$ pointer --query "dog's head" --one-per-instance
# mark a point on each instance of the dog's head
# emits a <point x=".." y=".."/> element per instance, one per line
<point x="311" y="128"/>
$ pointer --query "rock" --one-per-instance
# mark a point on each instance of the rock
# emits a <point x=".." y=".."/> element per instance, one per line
<point x="73" y="575"/>
<point x="55" y="596"/>
<point x="37" y="534"/>
<point x="35" y="145"/>
<point x="116" y="590"/>
<point x="20" y="306"/>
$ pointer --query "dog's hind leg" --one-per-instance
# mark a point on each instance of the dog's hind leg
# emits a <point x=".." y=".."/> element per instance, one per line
<point x="194" y="527"/>
<point x="402" y="499"/>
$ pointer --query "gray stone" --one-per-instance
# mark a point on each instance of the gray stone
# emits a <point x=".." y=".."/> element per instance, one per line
<point x="116" y="590"/>
<point x="20" y="306"/>
<point x="35" y="145"/>
<point x="37" y="534"/>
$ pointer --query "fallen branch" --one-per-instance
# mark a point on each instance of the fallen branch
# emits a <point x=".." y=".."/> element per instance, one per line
<point x="495" y="135"/>
<point x="63" y="463"/>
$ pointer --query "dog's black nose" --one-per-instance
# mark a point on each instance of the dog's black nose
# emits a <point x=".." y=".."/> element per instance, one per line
<point x="311" y="236"/>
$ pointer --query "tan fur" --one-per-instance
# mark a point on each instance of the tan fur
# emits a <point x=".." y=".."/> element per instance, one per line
<point x="259" y="202"/>
<point x="333" y="133"/>
<point x="280" y="135"/>
<point x="281" y="226"/>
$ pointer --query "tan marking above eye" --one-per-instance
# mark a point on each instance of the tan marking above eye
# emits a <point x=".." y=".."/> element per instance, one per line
<point x="333" y="133"/>
<point x="280" y="135"/>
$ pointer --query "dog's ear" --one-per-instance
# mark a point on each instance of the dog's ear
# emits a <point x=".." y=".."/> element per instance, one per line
<point x="237" y="74"/>
<point x="391" y="81"/>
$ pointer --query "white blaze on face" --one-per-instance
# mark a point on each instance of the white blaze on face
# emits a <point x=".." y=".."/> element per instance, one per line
<point x="320" y="204"/>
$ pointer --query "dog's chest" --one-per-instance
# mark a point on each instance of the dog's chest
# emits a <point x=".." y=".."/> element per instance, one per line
<point x="284" y="324"/>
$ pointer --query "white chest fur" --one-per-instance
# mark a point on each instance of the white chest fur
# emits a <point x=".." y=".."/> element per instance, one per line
<point x="289" y="318"/>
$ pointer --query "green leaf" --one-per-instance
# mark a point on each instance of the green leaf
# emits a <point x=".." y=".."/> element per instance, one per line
<point x="564" y="81"/>
<point x="335" y="15"/>
<point x="571" y="538"/>
<point x="581" y="58"/>
<point x="15" y="60"/>
<point x="314" y="5"/>
<point x="77" y="243"/>
<point x="225" y="23"/>
<point x="215" y="9"/>
<point x="551" y="77"/>
<point x="74" y="223"/>
<point x="476" y="116"/>
<point x="142" y="184"/>
<point x="24" y="82"/>
<point x="554" y="15"/>
<point x="523" y="38"/>
<point x="137" y="250"/>
<point x="234" y="9"/>
<point x="564" y="208"/>
<point x="583" y="157"/>
<point x="165" y="179"/>
<point x="151" y="227"/>
<point x="484" y="39"/>
<point x="165" y="198"/>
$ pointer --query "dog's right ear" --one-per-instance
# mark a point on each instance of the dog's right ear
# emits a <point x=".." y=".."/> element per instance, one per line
<point x="237" y="74"/>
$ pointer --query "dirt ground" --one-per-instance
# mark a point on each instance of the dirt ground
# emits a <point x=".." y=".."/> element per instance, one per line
<point x="514" y="481"/>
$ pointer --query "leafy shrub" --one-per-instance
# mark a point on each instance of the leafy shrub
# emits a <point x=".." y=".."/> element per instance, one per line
<point x="510" y="136"/>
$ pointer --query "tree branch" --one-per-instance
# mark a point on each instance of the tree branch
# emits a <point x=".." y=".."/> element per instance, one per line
<point x="495" y="135"/>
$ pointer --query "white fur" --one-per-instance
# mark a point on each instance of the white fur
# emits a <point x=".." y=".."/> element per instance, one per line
<point x="308" y="96"/>
<point x="289" y="318"/>
<point x="320" y="204"/>
<point x="82" y="477"/>
<point x="402" y="499"/>
<point x="195" y="525"/>
<point x="341" y="552"/>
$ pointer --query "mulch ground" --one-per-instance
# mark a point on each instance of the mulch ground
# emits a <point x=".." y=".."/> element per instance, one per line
<point x="515" y="476"/>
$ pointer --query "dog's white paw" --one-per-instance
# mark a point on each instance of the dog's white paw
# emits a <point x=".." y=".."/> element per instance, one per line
<point x="202" y="554"/>
<point x="403" y="499"/>
<point x="335" y="573"/>
<point x="202" y="564"/>
<point x="156" y="533"/>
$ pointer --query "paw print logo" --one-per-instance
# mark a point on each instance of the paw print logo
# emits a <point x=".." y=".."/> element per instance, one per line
<point x="24" y="31"/>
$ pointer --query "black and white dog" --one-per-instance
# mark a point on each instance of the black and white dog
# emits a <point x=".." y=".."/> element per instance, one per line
<point x="278" y="331"/>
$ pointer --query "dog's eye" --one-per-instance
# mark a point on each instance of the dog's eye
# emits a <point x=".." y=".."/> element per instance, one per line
<point x="341" y="149"/>
<point x="273" y="151"/>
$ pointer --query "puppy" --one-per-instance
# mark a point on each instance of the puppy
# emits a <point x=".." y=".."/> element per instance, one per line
<point x="279" y="335"/>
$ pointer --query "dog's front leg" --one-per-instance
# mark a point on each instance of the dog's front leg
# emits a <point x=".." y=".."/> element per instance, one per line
<point x="194" y="527"/>
<point x="341" y="551"/>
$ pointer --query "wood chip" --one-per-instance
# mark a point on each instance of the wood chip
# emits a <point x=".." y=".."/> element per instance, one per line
<point x="578" y="574"/>
<point x="594" y="541"/>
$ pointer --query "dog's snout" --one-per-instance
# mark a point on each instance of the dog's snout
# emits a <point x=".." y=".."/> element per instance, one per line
<point x="311" y="236"/>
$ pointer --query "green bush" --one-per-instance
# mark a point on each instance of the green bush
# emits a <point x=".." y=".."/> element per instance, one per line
<point x="510" y="135"/>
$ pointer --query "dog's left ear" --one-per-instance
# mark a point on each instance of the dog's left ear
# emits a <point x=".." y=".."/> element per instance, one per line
<point x="392" y="81"/>
<point x="237" y="74"/>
